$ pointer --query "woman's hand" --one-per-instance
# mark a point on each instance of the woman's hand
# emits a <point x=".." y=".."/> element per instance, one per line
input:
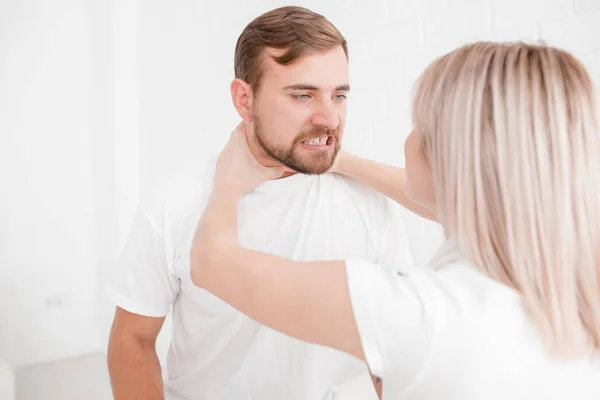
<point x="216" y="235"/>
<point x="238" y="172"/>
<point x="341" y="159"/>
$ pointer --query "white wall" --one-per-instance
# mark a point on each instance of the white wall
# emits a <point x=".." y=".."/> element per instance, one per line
<point x="57" y="208"/>
<point x="47" y="208"/>
<point x="98" y="98"/>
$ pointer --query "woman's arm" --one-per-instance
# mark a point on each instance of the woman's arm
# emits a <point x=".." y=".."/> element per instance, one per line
<point x="386" y="179"/>
<point x="306" y="300"/>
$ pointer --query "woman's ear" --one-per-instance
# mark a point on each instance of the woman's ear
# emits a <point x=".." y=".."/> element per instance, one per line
<point x="241" y="95"/>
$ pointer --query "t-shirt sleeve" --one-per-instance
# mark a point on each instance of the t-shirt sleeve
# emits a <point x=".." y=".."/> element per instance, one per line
<point x="395" y="315"/>
<point x="143" y="280"/>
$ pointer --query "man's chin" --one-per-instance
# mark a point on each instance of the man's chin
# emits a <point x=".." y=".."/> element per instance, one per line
<point x="310" y="165"/>
<point x="312" y="170"/>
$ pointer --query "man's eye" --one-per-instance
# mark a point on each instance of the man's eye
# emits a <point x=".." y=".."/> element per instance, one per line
<point x="340" y="97"/>
<point x="301" y="96"/>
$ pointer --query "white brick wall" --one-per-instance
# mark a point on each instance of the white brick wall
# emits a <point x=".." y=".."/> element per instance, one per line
<point x="185" y="66"/>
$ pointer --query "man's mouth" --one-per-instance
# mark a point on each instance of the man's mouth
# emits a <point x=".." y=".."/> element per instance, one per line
<point x="319" y="142"/>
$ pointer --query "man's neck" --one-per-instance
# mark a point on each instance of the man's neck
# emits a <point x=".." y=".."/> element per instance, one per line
<point x="257" y="152"/>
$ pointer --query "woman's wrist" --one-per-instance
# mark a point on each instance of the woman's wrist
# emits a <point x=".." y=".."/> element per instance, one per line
<point x="345" y="163"/>
<point x="220" y="217"/>
<point x="226" y="191"/>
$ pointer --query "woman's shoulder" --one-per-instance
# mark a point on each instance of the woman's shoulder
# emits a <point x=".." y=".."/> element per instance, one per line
<point x="458" y="287"/>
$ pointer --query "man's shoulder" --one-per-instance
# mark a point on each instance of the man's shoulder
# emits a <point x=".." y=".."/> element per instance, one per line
<point x="188" y="179"/>
<point x="360" y="192"/>
<point x="181" y="191"/>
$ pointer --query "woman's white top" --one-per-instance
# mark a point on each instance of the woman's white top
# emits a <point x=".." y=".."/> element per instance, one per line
<point x="447" y="331"/>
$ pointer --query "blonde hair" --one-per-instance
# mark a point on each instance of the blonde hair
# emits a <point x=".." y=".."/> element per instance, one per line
<point x="511" y="134"/>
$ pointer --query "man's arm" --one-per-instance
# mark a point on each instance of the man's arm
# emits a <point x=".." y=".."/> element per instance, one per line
<point x="133" y="364"/>
<point x="377" y="384"/>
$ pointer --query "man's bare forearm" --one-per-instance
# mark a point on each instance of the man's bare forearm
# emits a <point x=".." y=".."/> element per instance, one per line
<point x="135" y="371"/>
<point x="377" y="385"/>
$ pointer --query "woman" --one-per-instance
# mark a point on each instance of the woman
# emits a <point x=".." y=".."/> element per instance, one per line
<point x="505" y="150"/>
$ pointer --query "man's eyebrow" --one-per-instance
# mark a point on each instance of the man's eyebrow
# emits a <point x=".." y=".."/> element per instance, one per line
<point x="303" y="86"/>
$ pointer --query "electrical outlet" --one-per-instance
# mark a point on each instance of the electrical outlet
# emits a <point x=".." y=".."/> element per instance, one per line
<point x="55" y="301"/>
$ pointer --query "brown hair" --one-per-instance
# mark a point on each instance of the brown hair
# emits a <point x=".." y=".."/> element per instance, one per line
<point x="296" y="29"/>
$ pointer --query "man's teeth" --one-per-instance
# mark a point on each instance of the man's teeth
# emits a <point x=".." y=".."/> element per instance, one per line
<point x="317" y="141"/>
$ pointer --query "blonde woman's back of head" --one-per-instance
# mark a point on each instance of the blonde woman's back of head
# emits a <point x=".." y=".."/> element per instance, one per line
<point x="511" y="133"/>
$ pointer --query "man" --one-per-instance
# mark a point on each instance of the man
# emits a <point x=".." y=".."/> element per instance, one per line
<point x="290" y="89"/>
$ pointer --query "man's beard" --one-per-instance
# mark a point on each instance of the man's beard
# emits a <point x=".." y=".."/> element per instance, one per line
<point x="305" y="162"/>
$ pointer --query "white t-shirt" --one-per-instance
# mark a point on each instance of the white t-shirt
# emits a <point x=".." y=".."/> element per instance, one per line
<point x="449" y="332"/>
<point x="216" y="352"/>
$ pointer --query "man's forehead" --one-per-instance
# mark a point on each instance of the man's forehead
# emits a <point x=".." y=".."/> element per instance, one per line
<point x="328" y="68"/>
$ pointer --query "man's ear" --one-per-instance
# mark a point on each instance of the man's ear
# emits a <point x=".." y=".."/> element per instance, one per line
<point x="241" y="95"/>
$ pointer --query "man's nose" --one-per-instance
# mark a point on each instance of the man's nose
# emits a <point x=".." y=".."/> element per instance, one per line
<point x="326" y="116"/>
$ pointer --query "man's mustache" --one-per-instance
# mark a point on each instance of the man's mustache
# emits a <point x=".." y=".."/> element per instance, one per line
<point x="316" y="133"/>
